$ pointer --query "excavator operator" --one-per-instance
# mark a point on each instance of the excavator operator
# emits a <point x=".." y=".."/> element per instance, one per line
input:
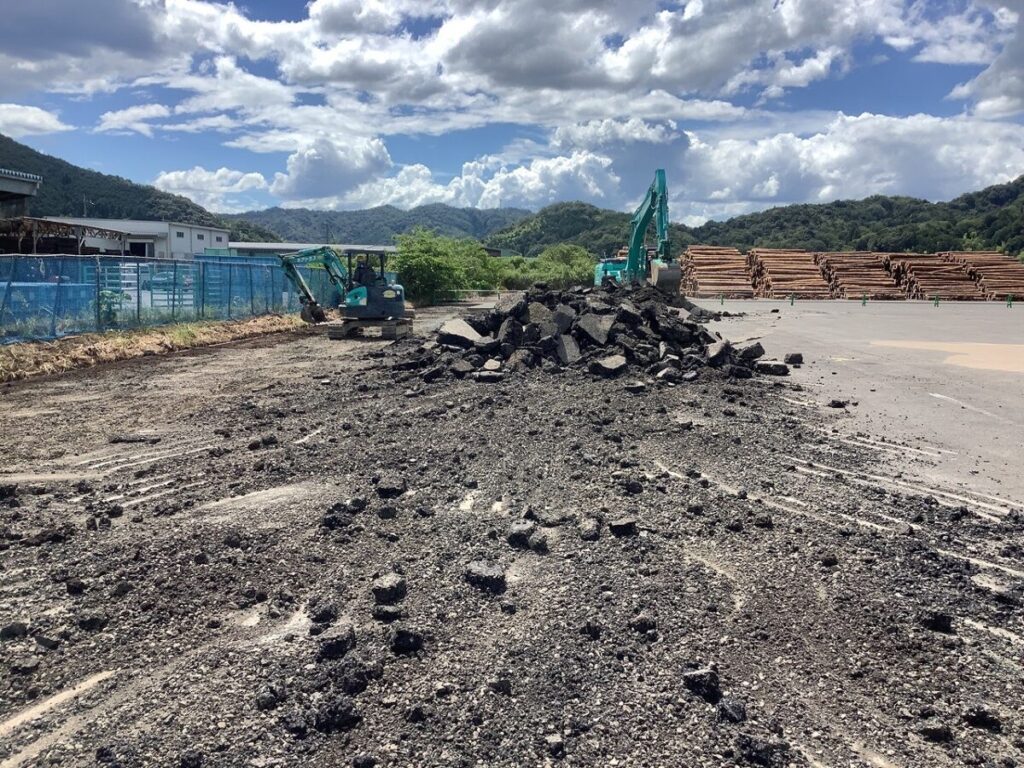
<point x="364" y="274"/>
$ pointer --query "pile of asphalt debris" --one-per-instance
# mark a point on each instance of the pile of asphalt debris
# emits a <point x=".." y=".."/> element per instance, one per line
<point x="606" y="331"/>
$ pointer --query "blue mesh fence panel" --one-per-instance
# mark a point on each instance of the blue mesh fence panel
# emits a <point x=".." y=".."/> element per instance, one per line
<point x="44" y="297"/>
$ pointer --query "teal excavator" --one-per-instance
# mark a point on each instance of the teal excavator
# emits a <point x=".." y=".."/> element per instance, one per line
<point x="638" y="264"/>
<point x="369" y="297"/>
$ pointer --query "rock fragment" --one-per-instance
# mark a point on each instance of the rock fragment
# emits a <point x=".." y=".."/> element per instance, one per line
<point x="488" y="577"/>
<point x="458" y="333"/>
<point x="337" y="641"/>
<point x="389" y="589"/>
<point x="406" y="640"/>
<point x="608" y="367"/>
<point x="703" y="682"/>
<point x="623" y="526"/>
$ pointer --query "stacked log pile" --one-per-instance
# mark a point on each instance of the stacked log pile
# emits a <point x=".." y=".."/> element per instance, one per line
<point x="779" y="273"/>
<point x="855" y="274"/>
<point x="996" y="274"/>
<point x="711" y="270"/>
<point x="930" y="275"/>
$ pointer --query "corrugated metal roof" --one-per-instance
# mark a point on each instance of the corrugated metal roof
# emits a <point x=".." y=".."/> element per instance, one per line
<point x="288" y="247"/>
<point x="132" y="226"/>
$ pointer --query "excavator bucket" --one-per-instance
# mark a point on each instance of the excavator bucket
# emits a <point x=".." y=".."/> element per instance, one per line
<point x="313" y="313"/>
<point x="667" y="277"/>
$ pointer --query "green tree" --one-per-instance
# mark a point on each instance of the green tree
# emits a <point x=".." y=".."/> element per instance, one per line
<point x="428" y="266"/>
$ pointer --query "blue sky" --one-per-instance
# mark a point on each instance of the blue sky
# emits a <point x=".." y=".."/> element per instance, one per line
<point x="353" y="103"/>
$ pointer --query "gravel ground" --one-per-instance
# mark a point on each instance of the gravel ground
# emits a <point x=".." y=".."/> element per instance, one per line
<point x="284" y="553"/>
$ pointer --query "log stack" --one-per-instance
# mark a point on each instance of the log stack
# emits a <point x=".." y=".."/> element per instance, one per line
<point x="996" y="274"/>
<point x="855" y="274"/>
<point x="778" y="273"/>
<point x="930" y="275"/>
<point x="710" y="271"/>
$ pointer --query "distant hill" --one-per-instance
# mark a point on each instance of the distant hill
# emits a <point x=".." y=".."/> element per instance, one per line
<point x="598" y="230"/>
<point x="378" y="226"/>
<point x="991" y="218"/>
<point x="65" y="186"/>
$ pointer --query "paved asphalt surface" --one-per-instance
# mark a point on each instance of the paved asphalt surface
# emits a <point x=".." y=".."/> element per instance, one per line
<point x="937" y="400"/>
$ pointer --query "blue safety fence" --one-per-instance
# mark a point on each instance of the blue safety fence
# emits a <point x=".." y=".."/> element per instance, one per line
<point x="45" y="297"/>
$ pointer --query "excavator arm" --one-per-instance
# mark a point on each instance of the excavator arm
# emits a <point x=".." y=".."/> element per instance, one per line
<point x="315" y="258"/>
<point x="639" y="267"/>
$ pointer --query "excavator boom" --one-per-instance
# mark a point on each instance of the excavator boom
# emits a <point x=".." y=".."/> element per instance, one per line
<point x="640" y="267"/>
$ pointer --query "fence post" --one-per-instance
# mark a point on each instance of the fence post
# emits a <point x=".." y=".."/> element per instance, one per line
<point x="7" y="289"/>
<point x="138" y="293"/>
<point x="174" y="292"/>
<point x="230" y="275"/>
<point x="99" y="314"/>
<point x="202" y="289"/>
<point x="252" y="299"/>
<point x="56" y="299"/>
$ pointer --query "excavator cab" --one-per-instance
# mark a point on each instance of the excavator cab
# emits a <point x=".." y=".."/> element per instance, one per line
<point x="371" y="295"/>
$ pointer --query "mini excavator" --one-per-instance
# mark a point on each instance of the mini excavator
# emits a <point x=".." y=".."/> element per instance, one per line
<point x="367" y="296"/>
<point x="639" y="264"/>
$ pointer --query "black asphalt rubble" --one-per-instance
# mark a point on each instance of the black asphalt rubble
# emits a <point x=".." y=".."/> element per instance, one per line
<point x="605" y="331"/>
<point x="556" y="569"/>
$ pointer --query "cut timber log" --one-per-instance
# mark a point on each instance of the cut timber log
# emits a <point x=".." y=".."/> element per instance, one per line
<point x="930" y="275"/>
<point x="778" y="273"/>
<point x="858" y="274"/>
<point x="997" y="275"/>
<point x="710" y="271"/>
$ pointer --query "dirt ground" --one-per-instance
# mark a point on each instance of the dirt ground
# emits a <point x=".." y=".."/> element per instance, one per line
<point x="38" y="358"/>
<point x="284" y="552"/>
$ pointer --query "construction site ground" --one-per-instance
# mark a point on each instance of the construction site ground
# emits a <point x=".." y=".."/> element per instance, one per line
<point x="948" y="378"/>
<point x="718" y="573"/>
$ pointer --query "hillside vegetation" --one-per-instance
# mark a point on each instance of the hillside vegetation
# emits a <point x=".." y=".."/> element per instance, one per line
<point x="600" y="231"/>
<point x="989" y="219"/>
<point x="65" y="186"/>
<point x="379" y="226"/>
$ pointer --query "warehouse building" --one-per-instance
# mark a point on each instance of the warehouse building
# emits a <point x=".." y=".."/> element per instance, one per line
<point x="152" y="239"/>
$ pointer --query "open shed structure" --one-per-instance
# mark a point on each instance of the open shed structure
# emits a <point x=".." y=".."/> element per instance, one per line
<point x="27" y="234"/>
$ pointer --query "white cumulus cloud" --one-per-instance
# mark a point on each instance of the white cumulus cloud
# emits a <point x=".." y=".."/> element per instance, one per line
<point x="218" y="190"/>
<point x="853" y="157"/>
<point x="17" y="120"/>
<point x="132" y="119"/>
<point x="326" y="168"/>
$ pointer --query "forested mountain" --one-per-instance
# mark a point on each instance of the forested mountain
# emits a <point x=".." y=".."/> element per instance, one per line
<point x="65" y="186"/>
<point x="600" y="231"/>
<point x="378" y="226"/>
<point x="992" y="218"/>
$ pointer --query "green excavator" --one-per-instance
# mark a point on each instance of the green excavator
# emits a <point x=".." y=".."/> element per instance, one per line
<point x="369" y="297"/>
<point x="638" y="264"/>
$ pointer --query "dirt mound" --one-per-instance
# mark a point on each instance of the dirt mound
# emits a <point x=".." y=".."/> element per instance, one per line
<point x="40" y="358"/>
